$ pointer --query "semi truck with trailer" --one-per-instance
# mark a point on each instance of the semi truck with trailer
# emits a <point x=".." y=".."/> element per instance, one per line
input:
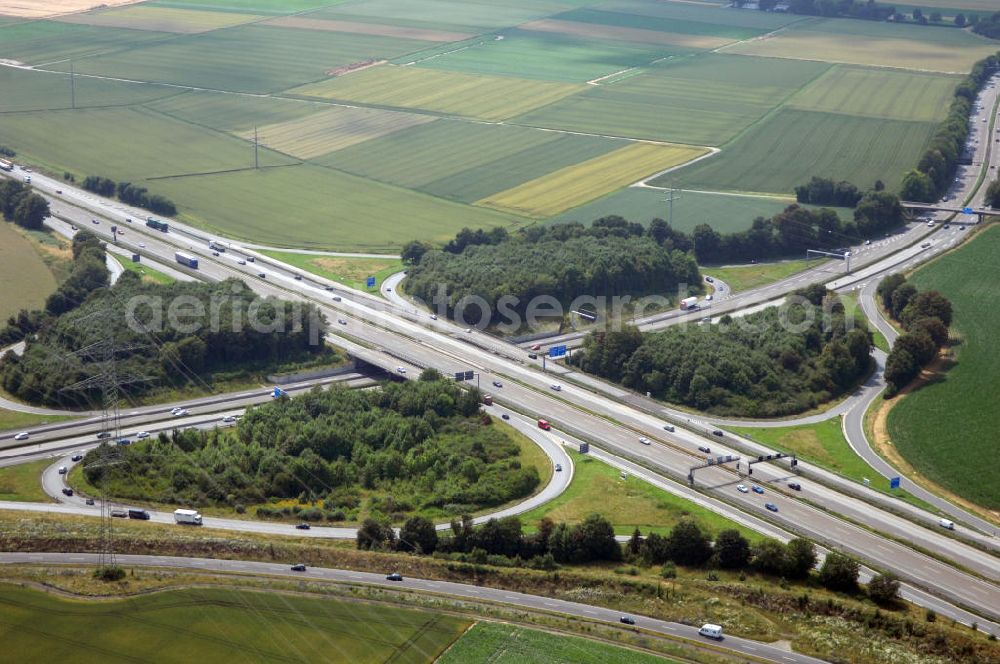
<point x="6" y="165"/>
<point x="186" y="260"/>
<point x="689" y="303"/>
<point x="187" y="517"/>
<point x="155" y="224"/>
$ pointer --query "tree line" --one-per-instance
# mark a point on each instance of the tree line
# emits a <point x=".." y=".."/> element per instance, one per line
<point x="993" y="194"/>
<point x="779" y="361"/>
<point x="404" y="448"/>
<point x="824" y="191"/>
<point x="989" y="26"/>
<point x="926" y="317"/>
<point x="611" y="257"/>
<point x="936" y="169"/>
<point x="131" y="194"/>
<point x="89" y="272"/>
<point x="21" y="205"/>
<point x="234" y="331"/>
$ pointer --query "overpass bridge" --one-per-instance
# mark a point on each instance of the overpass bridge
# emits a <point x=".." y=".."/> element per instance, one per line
<point x="980" y="213"/>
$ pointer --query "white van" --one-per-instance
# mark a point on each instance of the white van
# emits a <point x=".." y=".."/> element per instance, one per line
<point x="711" y="631"/>
<point x="945" y="523"/>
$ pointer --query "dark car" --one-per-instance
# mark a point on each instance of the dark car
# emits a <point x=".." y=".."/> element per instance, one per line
<point x="771" y="506"/>
<point x="533" y="356"/>
<point x="757" y="489"/>
<point x="76" y="457"/>
<point x="298" y="568"/>
<point x="215" y="253"/>
<point x="497" y="383"/>
<point x="717" y="432"/>
<point x="68" y="491"/>
<point x="395" y="576"/>
<point x="705" y="448"/>
<point x="103" y="435"/>
<point x="262" y="275"/>
<point x="795" y="485"/>
<point x="298" y="277"/>
<point x="329" y="288"/>
<point x="627" y="620"/>
<point x="303" y="526"/>
<point x="89" y="501"/>
<point x="505" y="416"/>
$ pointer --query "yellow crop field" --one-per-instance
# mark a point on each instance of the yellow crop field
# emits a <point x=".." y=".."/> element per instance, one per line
<point x="879" y="93"/>
<point x="574" y="185"/>
<point x="330" y="130"/>
<point x="162" y="19"/>
<point x="484" y="97"/>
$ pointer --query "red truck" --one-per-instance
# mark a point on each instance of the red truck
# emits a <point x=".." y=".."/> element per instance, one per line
<point x="544" y="425"/>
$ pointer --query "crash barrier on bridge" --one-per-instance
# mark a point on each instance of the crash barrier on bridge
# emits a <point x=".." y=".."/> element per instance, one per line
<point x="285" y="379"/>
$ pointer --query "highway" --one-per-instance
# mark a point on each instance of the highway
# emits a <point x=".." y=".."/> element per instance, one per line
<point x="375" y="329"/>
<point x="380" y="331"/>
<point x="464" y="591"/>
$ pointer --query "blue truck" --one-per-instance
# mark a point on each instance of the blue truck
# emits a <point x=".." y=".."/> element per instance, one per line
<point x="188" y="261"/>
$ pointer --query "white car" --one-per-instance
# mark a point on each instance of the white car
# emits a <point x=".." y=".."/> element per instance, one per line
<point x="142" y="244"/>
<point x="342" y="321"/>
<point x="142" y="434"/>
<point x="557" y="387"/>
<point x="22" y="436"/>
<point x="175" y="410"/>
<point x="742" y="488"/>
<point x="708" y="298"/>
<point x="468" y="330"/>
<point x="181" y="413"/>
<point x="644" y="440"/>
<point x="241" y="262"/>
<point x="229" y="419"/>
<point x="434" y="317"/>
<point x="401" y="370"/>
<point x="930" y="223"/>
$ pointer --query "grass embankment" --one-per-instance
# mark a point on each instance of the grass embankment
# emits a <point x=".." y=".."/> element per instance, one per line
<point x="346" y="270"/>
<point x="747" y="277"/>
<point x="947" y="428"/>
<point x="509" y="644"/>
<point x="825" y="445"/>
<point x="814" y="621"/>
<point x="23" y="482"/>
<point x="220" y="624"/>
<point x="597" y="488"/>
<point x="147" y="273"/>
<point x="26" y="278"/>
<point x="12" y="419"/>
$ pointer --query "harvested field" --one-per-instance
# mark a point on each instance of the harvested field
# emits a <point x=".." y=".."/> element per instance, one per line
<point x="599" y="31"/>
<point x="25" y="278"/>
<point x="484" y="97"/>
<point x="46" y="8"/>
<point x="577" y="184"/>
<point x="161" y="19"/>
<point x="358" y="28"/>
<point x="334" y="129"/>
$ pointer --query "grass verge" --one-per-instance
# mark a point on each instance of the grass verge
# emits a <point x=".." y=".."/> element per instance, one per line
<point x="747" y="277"/>
<point x="12" y="419"/>
<point x="147" y="273"/>
<point x="346" y="270"/>
<point x="23" y="483"/>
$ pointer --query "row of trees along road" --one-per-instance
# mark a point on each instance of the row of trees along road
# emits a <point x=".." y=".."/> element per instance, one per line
<point x="925" y="316"/>
<point x="21" y="205"/>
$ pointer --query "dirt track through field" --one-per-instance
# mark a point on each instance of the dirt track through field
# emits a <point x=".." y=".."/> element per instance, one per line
<point x="43" y="8"/>
<point x="375" y="29"/>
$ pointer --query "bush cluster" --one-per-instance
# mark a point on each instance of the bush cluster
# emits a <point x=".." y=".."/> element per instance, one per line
<point x="130" y="194"/>
<point x="18" y="203"/>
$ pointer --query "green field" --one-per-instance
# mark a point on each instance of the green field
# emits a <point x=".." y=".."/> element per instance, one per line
<point x="747" y="277"/>
<point x="947" y="429"/>
<point x="879" y="93"/>
<point x="659" y="23"/>
<point x="231" y="113"/>
<point x="597" y="488"/>
<point x="23" y="482"/>
<point x="725" y="212"/>
<point x="453" y="93"/>
<point x="219" y="625"/>
<point x="791" y="146"/>
<point x="875" y="43"/>
<point x="705" y="99"/>
<point x="39" y="42"/>
<point x="252" y="6"/>
<point x="250" y="58"/>
<point x="501" y="643"/>
<point x="449" y="14"/>
<point x="162" y="19"/>
<point x="39" y="92"/>
<point x="87" y="142"/>
<point x="466" y="161"/>
<point x="352" y="272"/>
<point x="700" y="12"/>
<point x="330" y="209"/>
<point x="11" y="419"/>
<point x="26" y="280"/>
<point x="546" y="56"/>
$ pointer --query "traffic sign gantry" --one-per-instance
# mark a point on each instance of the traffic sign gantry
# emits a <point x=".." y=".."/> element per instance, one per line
<point x="557" y="351"/>
<point x="967" y="210"/>
<point x="371" y="282"/>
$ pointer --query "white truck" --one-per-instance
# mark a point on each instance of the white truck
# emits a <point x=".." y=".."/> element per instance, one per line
<point x="689" y="303"/>
<point x="189" y="517"/>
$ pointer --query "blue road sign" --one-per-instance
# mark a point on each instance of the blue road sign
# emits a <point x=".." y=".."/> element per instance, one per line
<point x="893" y="482"/>
<point x="967" y="210"/>
<point x="557" y="351"/>
<point x="371" y="282"/>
